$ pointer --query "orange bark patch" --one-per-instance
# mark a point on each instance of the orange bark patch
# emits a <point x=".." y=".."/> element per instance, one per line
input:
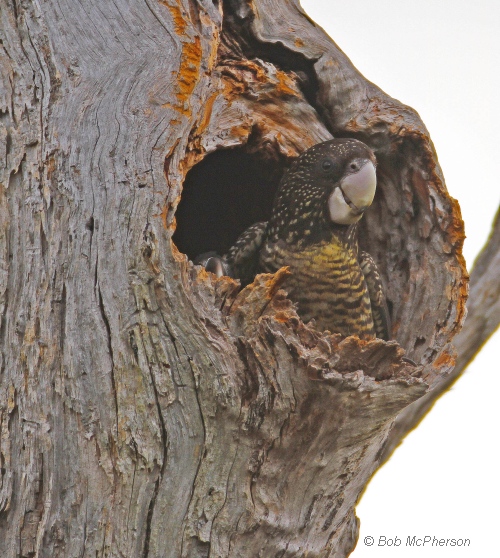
<point x="188" y="75"/>
<point x="282" y="317"/>
<point x="455" y="231"/>
<point x="242" y="131"/>
<point x="163" y="216"/>
<point x="444" y="360"/>
<point x="189" y="70"/>
<point x="232" y="88"/>
<point x="462" y="301"/>
<point x="178" y="256"/>
<point x="176" y="13"/>
<point x="207" y="113"/>
<point x="273" y="284"/>
<point x="459" y="293"/>
<point x="286" y="85"/>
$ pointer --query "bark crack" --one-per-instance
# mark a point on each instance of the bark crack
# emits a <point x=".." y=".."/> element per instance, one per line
<point x="149" y="518"/>
<point x="133" y="482"/>
<point x="111" y="355"/>
<point x="3" y="329"/>
<point x="164" y="443"/>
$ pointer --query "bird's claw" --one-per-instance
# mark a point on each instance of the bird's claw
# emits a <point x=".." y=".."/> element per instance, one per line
<point x="212" y="262"/>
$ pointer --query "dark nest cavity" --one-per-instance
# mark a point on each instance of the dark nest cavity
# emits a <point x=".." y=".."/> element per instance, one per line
<point x="225" y="193"/>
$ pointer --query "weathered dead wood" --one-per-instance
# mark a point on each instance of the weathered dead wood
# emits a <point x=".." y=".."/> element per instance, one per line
<point x="483" y="319"/>
<point x="483" y="308"/>
<point x="147" y="408"/>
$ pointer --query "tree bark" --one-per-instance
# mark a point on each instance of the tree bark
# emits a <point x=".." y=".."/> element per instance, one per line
<point x="149" y="409"/>
<point x="483" y="319"/>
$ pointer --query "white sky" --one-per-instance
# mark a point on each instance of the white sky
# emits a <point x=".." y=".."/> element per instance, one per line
<point x="441" y="57"/>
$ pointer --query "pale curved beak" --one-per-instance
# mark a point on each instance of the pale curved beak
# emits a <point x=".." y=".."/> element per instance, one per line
<point x="353" y="196"/>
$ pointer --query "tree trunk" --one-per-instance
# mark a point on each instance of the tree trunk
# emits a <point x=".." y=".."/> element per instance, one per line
<point x="149" y="409"/>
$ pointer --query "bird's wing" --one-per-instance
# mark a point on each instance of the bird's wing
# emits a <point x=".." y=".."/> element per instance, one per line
<point x="243" y="257"/>
<point x="380" y="312"/>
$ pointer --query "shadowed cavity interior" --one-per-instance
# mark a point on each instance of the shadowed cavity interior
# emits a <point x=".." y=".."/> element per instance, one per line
<point x="223" y="195"/>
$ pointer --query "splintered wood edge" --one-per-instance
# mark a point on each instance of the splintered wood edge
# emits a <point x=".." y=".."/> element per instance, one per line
<point x="353" y="362"/>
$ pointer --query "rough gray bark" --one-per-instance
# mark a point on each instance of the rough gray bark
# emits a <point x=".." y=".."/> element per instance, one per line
<point x="147" y="408"/>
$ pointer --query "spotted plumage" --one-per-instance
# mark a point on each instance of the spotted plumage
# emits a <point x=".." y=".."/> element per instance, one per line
<point x="313" y="231"/>
<point x="378" y="303"/>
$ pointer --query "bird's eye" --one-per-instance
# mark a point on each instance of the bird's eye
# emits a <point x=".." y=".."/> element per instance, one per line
<point x="354" y="166"/>
<point x="326" y="165"/>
